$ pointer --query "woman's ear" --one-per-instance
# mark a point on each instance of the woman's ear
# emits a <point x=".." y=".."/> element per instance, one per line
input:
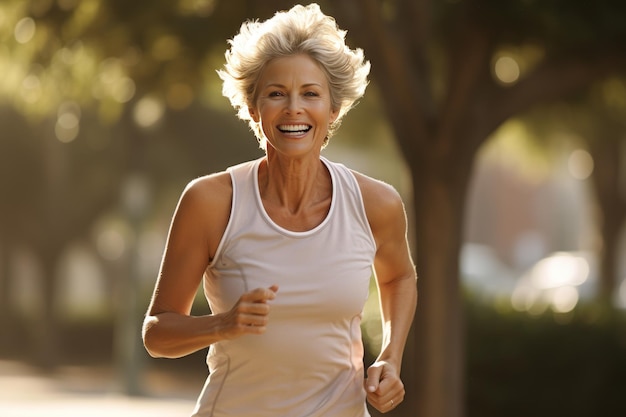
<point x="333" y="115"/>
<point x="253" y="114"/>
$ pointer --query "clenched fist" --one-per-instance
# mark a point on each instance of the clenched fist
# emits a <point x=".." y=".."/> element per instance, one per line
<point x="250" y="314"/>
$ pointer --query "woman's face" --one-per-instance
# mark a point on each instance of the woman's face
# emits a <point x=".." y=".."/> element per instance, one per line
<point x="293" y="105"/>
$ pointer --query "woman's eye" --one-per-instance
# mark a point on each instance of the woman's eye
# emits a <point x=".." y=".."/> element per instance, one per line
<point x="275" y="94"/>
<point x="311" y="94"/>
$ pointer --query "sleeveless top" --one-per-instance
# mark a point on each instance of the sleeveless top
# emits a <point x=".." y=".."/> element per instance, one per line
<point x="309" y="362"/>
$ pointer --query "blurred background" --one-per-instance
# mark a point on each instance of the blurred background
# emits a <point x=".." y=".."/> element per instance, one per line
<point x="108" y="108"/>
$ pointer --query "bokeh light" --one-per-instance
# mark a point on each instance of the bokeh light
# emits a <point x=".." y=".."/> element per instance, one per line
<point x="68" y="122"/>
<point x="114" y="82"/>
<point x="25" y="30"/>
<point x="564" y="299"/>
<point x="580" y="164"/>
<point x="111" y="243"/>
<point x="31" y="89"/>
<point x="166" y="48"/>
<point x="201" y="8"/>
<point x="148" y="111"/>
<point x="553" y="282"/>
<point x="506" y="70"/>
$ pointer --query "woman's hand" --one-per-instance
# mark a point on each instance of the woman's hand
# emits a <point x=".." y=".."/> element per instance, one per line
<point x="384" y="388"/>
<point x="249" y="315"/>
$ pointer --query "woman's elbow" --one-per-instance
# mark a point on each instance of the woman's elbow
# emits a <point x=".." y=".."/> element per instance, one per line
<point x="150" y="341"/>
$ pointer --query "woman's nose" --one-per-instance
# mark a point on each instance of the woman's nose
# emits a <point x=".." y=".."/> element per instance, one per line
<point x="293" y="104"/>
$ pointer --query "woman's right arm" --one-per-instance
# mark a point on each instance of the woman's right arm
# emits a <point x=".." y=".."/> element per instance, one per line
<point x="197" y="226"/>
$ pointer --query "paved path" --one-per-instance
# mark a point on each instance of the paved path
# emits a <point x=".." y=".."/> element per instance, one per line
<point x="81" y="392"/>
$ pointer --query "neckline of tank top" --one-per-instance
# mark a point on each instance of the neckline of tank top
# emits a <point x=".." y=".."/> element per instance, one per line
<point x="283" y="230"/>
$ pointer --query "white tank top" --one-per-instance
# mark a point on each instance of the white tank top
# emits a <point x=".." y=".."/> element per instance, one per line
<point x="309" y="363"/>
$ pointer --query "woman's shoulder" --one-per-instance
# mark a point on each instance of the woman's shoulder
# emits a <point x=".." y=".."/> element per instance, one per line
<point x="207" y="197"/>
<point x="211" y="182"/>
<point x="205" y="205"/>
<point x="376" y="192"/>
<point x="213" y="187"/>
<point x="381" y="200"/>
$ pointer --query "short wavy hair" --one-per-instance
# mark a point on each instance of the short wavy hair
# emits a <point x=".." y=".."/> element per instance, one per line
<point x="300" y="30"/>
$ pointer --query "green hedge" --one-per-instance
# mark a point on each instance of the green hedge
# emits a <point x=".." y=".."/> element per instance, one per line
<point x="545" y="366"/>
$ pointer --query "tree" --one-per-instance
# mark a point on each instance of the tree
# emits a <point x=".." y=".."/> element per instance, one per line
<point x="76" y="75"/>
<point x="434" y="65"/>
<point x="433" y="62"/>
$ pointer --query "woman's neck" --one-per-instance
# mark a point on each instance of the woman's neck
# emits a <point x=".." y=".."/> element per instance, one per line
<point x="295" y="193"/>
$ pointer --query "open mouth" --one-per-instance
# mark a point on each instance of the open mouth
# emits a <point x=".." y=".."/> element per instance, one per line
<point x="298" y="129"/>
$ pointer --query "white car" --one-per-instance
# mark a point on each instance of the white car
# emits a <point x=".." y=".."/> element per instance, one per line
<point x="485" y="274"/>
<point x="559" y="281"/>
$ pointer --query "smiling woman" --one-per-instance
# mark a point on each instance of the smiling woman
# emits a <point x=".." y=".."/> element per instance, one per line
<point x="293" y="103"/>
<point x="258" y="43"/>
<point x="284" y="245"/>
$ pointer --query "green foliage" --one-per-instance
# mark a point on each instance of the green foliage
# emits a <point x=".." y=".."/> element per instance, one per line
<point x="546" y="366"/>
<point x="105" y="53"/>
<point x="563" y="24"/>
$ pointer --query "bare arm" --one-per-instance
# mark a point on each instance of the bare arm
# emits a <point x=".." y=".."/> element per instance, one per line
<point x="197" y="227"/>
<point x="396" y="280"/>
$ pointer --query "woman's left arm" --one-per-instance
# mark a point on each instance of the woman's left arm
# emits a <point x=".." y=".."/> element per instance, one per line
<point x="396" y="280"/>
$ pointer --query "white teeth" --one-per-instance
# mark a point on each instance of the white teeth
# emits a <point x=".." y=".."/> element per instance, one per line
<point x="293" y="128"/>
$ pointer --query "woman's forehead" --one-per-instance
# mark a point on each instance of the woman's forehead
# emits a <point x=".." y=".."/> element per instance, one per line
<point x="297" y="69"/>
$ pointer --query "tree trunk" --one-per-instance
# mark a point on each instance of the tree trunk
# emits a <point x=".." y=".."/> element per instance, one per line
<point x="46" y="329"/>
<point x="439" y="324"/>
<point x="611" y="227"/>
<point x="611" y="198"/>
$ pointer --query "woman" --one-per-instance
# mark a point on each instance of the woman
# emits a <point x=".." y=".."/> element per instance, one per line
<point x="284" y="245"/>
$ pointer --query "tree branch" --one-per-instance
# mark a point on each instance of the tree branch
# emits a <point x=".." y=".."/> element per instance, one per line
<point x="551" y="80"/>
<point x="392" y="69"/>
<point x="414" y="20"/>
<point x="415" y="17"/>
<point x="468" y="61"/>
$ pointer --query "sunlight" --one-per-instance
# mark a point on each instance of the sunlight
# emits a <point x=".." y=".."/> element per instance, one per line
<point x="82" y="284"/>
<point x="555" y="282"/>
<point x="202" y="8"/>
<point x="123" y="90"/>
<point x="523" y="298"/>
<point x="67" y="128"/>
<point x="507" y="70"/>
<point x="31" y="90"/>
<point x="511" y="145"/>
<point x="24" y="30"/>
<point x="148" y="111"/>
<point x="564" y="299"/>
<point x="560" y="270"/>
<point x="111" y="243"/>
<point x="580" y="164"/>
<point x="68" y="122"/>
<point x="114" y="82"/>
<point x="67" y="56"/>
<point x="111" y="236"/>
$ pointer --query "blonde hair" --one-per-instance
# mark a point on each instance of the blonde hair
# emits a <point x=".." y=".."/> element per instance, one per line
<point x="300" y="30"/>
